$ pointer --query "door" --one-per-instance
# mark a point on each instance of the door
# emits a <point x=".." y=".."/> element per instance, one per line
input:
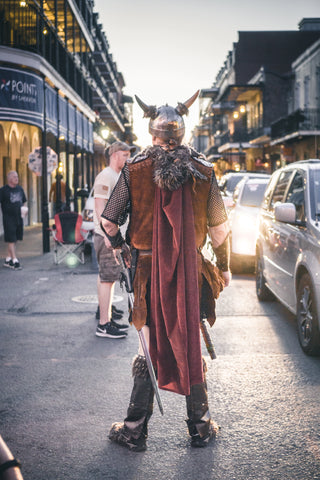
<point x="273" y="235"/>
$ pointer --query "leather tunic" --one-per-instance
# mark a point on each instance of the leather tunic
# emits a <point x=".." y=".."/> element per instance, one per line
<point x="142" y="188"/>
<point x="142" y="193"/>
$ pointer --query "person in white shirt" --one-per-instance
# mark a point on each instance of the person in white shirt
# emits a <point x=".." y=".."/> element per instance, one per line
<point x="109" y="270"/>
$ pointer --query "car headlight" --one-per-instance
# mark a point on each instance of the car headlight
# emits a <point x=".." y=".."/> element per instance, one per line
<point x="247" y="222"/>
<point x="244" y="229"/>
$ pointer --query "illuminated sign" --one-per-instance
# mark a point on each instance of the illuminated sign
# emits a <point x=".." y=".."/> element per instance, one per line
<point x="21" y="96"/>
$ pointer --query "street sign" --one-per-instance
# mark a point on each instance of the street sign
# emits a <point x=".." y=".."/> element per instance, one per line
<point x="35" y="161"/>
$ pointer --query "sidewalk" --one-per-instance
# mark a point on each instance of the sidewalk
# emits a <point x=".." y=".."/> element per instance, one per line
<point x="42" y="287"/>
<point x="31" y="246"/>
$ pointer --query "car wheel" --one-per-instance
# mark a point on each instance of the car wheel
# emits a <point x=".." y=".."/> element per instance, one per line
<point x="307" y="317"/>
<point x="263" y="293"/>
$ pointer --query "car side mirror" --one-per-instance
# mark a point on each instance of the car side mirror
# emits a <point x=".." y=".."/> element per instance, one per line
<point x="285" y="212"/>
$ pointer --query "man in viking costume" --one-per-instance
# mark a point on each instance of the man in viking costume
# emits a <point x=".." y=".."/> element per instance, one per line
<point x="173" y="199"/>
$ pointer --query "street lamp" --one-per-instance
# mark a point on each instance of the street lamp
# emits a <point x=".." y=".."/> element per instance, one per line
<point x="60" y="168"/>
<point x="105" y="132"/>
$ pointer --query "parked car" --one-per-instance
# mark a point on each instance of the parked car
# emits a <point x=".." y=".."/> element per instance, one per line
<point x="243" y="221"/>
<point x="230" y="180"/>
<point x="288" y="247"/>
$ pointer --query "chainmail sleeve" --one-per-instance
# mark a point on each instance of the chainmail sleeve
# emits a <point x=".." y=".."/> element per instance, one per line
<point x="216" y="210"/>
<point x="118" y="205"/>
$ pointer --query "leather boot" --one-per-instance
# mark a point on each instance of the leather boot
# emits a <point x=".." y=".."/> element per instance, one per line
<point x="200" y="425"/>
<point x="133" y="432"/>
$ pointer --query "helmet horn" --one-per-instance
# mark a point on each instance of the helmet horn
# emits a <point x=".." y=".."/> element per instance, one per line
<point x="183" y="108"/>
<point x="150" y="111"/>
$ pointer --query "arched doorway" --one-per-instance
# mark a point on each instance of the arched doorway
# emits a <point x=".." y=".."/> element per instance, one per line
<point x="3" y="157"/>
<point x="14" y="150"/>
<point x="27" y="180"/>
<point x="3" y="167"/>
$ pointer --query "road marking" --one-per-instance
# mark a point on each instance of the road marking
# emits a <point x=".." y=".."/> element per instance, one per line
<point x="94" y="299"/>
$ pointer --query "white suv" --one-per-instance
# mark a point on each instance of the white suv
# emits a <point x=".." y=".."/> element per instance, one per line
<point x="288" y="247"/>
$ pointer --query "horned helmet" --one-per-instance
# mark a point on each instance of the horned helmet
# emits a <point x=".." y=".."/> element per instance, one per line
<point x="166" y="122"/>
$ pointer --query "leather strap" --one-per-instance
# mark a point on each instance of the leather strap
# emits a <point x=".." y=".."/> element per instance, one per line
<point x="9" y="464"/>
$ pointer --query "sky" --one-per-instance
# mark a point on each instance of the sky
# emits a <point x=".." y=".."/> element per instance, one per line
<point x="168" y="49"/>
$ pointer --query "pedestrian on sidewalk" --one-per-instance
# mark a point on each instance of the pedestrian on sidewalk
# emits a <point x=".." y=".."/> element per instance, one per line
<point x="109" y="270"/>
<point x="174" y="202"/>
<point x="58" y="194"/>
<point x="13" y="200"/>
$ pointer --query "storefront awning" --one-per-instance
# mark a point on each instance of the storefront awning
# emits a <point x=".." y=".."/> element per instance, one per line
<point x="21" y="97"/>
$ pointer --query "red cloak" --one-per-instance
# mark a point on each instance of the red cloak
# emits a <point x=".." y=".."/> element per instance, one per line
<point x="175" y="346"/>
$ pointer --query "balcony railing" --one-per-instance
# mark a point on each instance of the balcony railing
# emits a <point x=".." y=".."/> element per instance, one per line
<point x="238" y="136"/>
<point x="28" y="29"/>
<point x="300" y="120"/>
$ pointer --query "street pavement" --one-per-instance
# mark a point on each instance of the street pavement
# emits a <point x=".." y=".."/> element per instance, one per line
<point x="61" y="387"/>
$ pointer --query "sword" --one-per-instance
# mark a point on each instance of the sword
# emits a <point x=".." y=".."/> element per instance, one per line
<point x="129" y="288"/>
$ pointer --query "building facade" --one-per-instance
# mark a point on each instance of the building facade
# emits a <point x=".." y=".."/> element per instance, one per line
<point x="243" y="114"/>
<point x="297" y="133"/>
<point x="61" y="96"/>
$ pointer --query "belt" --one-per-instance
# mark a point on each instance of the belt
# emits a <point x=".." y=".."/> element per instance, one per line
<point x="145" y="252"/>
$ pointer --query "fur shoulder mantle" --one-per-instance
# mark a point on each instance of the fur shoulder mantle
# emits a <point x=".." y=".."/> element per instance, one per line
<point x="173" y="168"/>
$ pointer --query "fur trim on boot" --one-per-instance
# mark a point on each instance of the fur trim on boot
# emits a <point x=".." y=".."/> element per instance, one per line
<point x="120" y="435"/>
<point x="133" y="432"/>
<point x="200" y="424"/>
<point x="198" y="441"/>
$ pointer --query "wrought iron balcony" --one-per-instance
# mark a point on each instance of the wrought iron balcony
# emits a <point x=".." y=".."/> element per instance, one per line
<point x="28" y="28"/>
<point x="239" y="135"/>
<point x="307" y="120"/>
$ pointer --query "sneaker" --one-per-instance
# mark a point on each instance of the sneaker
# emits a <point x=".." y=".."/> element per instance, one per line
<point x="117" y="310"/>
<point x="17" y="266"/>
<point x="8" y="263"/>
<point x="116" y="316"/>
<point x="110" y="331"/>
<point x="119" y="326"/>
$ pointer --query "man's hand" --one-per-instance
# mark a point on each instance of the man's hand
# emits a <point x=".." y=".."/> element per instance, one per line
<point x="227" y="278"/>
<point x="126" y="255"/>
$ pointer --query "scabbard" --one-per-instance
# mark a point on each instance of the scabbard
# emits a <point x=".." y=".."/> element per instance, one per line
<point x="207" y="340"/>
<point x="129" y="288"/>
<point x="150" y="369"/>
